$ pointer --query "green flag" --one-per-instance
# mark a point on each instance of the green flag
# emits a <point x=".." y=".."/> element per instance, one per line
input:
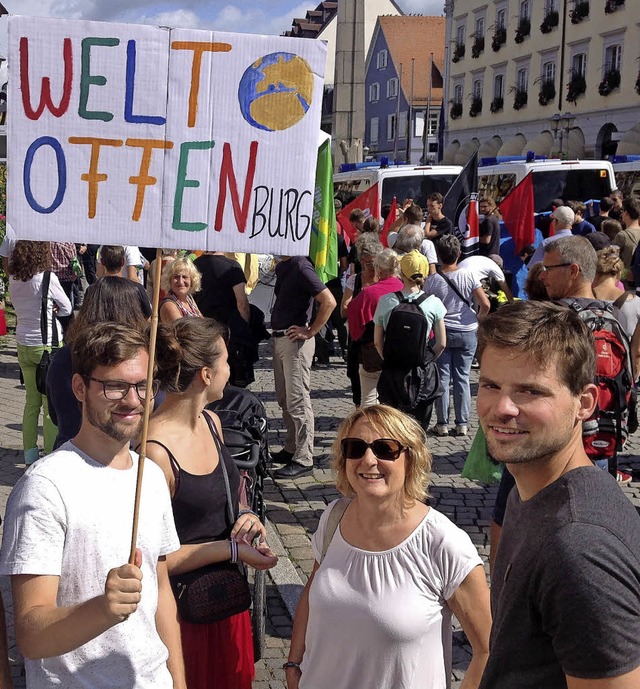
<point x="323" y="249"/>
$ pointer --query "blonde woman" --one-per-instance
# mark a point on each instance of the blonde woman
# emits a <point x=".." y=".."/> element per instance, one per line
<point x="376" y="611"/>
<point x="626" y="305"/>
<point x="180" y="280"/>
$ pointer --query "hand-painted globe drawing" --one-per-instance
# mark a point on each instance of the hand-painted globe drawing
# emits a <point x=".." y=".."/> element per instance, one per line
<point x="275" y="92"/>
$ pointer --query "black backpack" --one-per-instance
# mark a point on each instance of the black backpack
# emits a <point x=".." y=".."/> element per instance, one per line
<point x="405" y="337"/>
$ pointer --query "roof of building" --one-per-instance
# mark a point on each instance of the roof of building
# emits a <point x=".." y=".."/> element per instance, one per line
<point x="315" y="20"/>
<point x="416" y="37"/>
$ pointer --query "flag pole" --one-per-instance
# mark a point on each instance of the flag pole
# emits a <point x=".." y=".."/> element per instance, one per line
<point x="148" y="402"/>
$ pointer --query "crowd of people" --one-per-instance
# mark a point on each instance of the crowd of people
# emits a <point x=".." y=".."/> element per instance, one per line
<point x="390" y="571"/>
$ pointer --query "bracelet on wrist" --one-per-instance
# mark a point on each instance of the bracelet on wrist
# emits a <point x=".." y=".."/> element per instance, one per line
<point x="290" y="664"/>
<point x="234" y="551"/>
<point x="247" y="511"/>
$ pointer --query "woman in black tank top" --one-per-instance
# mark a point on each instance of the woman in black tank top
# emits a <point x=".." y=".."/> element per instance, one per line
<point x="193" y="371"/>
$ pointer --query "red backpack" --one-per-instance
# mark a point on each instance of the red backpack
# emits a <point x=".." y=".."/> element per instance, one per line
<point x="605" y="433"/>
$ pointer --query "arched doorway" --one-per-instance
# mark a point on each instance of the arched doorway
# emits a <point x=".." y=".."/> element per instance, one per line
<point x="605" y="145"/>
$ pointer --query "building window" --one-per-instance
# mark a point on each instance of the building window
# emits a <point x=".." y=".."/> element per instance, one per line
<point x="549" y="72"/>
<point x="391" y="127"/>
<point x="579" y="65"/>
<point x="374" y="133"/>
<point x="577" y="82"/>
<point x="613" y="58"/>
<point x="374" y="92"/>
<point x="550" y="6"/>
<point x="522" y="79"/>
<point x="501" y="19"/>
<point x="457" y="93"/>
<point x="392" y="88"/>
<point x="460" y="34"/>
<point x="525" y="9"/>
<point x="479" y="31"/>
<point x="611" y="69"/>
<point x="381" y="59"/>
<point x="402" y="126"/>
<point x="498" y="86"/>
<point x="434" y="116"/>
<point x="477" y="88"/>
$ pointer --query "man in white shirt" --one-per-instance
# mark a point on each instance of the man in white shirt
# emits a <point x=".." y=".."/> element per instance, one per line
<point x="487" y="268"/>
<point x="82" y="618"/>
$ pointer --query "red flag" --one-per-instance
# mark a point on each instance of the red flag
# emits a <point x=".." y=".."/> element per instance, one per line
<point x="368" y="202"/>
<point x="391" y="218"/>
<point x="518" y="214"/>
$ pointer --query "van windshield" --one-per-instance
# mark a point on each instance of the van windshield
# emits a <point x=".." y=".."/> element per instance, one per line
<point x="415" y="187"/>
<point x="569" y="185"/>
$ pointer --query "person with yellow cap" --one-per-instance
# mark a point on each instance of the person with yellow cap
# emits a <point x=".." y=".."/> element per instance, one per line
<point x="403" y="322"/>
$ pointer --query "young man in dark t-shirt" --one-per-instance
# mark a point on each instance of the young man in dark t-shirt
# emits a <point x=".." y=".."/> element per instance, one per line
<point x="565" y="588"/>
<point x="297" y="285"/>
<point x="489" y="228"/>
<point x="437" y="225"/>
<point x="223" y="287"/>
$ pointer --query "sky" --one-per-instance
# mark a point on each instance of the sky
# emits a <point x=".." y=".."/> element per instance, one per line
<point x="247" y="16"/>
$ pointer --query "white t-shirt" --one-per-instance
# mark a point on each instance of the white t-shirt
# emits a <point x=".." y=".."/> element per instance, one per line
<point x="26" y="298"/>
<point x="8" y="242"/>
<point x="460" y="314"/>
<point x="70" y="516"/>
<point x="380" y="619"/>
<point x="482" y="268"/>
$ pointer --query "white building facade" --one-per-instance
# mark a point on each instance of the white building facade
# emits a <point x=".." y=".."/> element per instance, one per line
<point x="557" y="77"/>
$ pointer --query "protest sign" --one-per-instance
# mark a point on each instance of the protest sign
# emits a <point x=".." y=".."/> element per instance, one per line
<point x="139" y="135"/>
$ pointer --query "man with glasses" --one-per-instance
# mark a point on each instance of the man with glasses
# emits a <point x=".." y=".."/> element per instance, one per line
<point x="562" y="220"/>
<point x="82" y="617"/>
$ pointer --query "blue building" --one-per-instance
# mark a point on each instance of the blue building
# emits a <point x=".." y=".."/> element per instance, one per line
<point x="403" y="88"/>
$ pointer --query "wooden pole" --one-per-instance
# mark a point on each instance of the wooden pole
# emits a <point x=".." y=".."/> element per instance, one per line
<point x="148" y="403"/>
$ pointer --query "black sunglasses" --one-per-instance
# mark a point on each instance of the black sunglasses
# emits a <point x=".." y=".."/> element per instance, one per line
<point x="382" y="448"/>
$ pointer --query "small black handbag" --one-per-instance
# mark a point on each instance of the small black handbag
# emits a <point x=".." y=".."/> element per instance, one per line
<point x="45" y="360"/>
<point x="217" y="591"/>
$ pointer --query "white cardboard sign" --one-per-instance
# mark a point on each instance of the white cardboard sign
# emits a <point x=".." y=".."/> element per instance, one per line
<point x="174" y="138"/>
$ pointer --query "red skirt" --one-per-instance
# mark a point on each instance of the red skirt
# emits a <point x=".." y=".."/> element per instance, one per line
<point x="219" y="655"/>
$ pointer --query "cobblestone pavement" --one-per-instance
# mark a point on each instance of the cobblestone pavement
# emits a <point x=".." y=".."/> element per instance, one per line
<point x="294" y="507"/>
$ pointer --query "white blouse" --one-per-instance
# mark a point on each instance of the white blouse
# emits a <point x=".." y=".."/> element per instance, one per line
<point x="380" y="619"/>
<point x="26" y="298"/>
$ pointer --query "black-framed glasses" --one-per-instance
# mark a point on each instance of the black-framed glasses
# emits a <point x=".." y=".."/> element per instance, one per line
<point x="383" y="448"/>
<point x="119" y="389"/>
<point x="546" y="269"/>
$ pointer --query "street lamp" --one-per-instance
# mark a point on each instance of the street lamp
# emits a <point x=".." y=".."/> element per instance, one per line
<point x="561" y="125"/>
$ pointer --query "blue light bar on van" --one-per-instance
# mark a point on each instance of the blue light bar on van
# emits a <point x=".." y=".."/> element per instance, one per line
<point x="624" y="158"/>
<point x="529" y="158"/>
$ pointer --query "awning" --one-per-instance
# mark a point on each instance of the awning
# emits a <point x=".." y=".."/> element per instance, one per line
<point x="541" y="145"/>
<point x="513" y="146"/>
<point x="466" y="151"/>
<point x="449" y="155"/>
<point x="490" y="147"/>
<point x="630" y="142"/>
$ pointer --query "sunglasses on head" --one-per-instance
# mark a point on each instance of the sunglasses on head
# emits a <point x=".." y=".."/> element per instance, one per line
<point x="382" y="448"/>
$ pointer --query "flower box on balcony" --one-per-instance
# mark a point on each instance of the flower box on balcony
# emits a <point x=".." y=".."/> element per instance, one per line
<point x="551" y="20"/>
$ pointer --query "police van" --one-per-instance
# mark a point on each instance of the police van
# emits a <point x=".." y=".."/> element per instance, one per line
<point x="401" y="181"/>
<point x="627" y="171"/>
<point x="569" y="180"/>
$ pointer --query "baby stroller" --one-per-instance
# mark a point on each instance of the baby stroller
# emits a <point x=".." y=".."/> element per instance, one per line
<point x="244" y="427"/>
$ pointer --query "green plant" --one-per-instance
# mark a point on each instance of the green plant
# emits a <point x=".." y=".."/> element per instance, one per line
<point x="478" y="46"/>
<point x="579" y="12"/>
<point x="576" y="87"/>
<point x="458" y="52"/>
<point x="611" y="81"/>
<point x="456" y="111"/>
<point x="523" y="30"/>
<point x="550" y="21"/>
<point x="496" y="104"/>
<point x="476" y="106"/>
<point x="499" y="38"/>
<point x="520" y="99"/>
<point x="547" y="92"/>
